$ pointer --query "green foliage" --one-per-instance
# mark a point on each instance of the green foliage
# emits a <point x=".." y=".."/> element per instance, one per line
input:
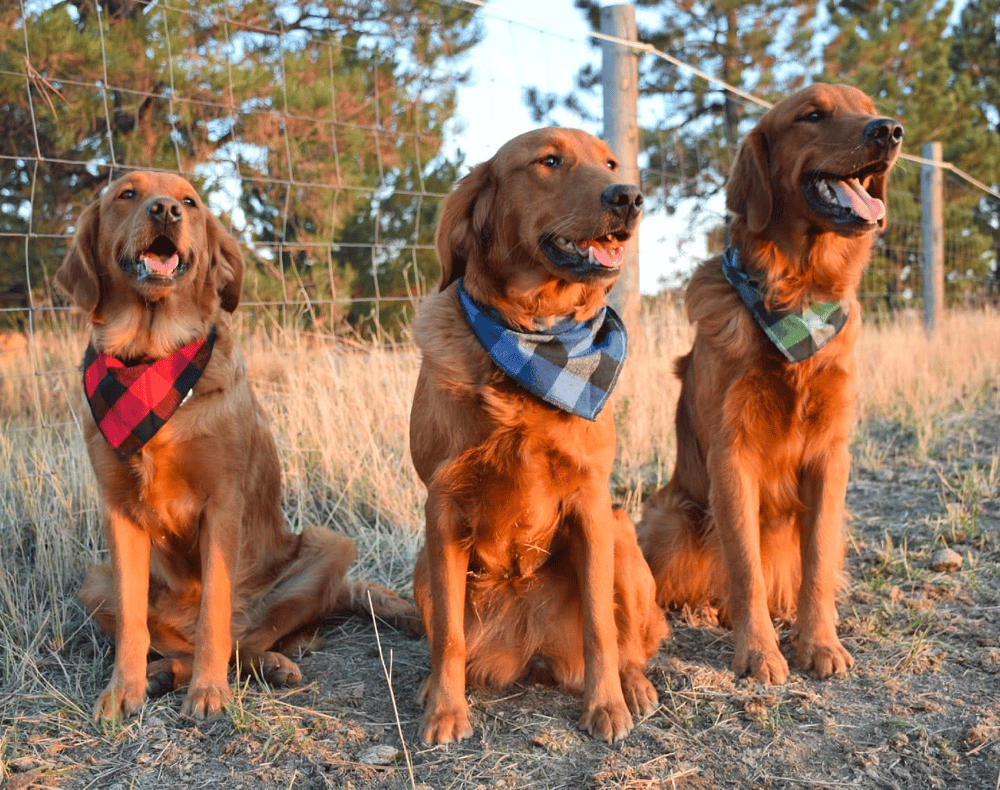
<point x="905" y="55"/>
<point x="940" y="78"/>
<point x="291" y="118"/>
<point x="759" y="47"/>
<point x="976" y="52"/>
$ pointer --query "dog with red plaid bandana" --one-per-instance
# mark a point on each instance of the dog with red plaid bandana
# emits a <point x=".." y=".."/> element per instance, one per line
<point x="203" y="570"/>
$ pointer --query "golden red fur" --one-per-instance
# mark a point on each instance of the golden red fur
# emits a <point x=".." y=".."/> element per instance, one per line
<point x="527" y="567"/>
<point x="201" y="559"/>
<point x="752" y="519"/>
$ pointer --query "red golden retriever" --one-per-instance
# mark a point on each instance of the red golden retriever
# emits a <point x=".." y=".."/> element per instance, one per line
<point x="527" y="569"/>
<point x="203" y="570"/>
<point x="751" y="521"/>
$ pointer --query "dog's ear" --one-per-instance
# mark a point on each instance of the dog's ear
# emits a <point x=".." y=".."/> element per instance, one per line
<point x="78" y="275"/>
<point x="749" y="192"/>
<point x="464" y="228"/>
<point x="226" y="264"/>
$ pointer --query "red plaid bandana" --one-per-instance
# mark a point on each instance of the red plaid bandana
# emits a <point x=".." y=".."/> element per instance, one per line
<point x="131" y="402"/>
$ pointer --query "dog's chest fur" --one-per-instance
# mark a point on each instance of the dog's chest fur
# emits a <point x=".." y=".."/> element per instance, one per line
<point x="518" y="470"/>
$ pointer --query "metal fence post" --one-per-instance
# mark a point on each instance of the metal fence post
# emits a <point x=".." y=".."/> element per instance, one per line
<point x="620" y="83"/>
<point x="932" y="234"/>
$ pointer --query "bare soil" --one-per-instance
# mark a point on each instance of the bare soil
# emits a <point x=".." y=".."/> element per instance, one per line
<point x="920" y="709"/>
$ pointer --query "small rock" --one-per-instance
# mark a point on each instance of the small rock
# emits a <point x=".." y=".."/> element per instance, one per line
<point x="885" y="475"/>
<point x="946" y="560"/>
<point x="382" y="754"/>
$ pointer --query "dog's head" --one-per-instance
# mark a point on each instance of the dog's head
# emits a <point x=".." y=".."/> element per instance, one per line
<point x="549" y="207"/>
<point x="820" y="157"/>
<point x="150" y="241"/>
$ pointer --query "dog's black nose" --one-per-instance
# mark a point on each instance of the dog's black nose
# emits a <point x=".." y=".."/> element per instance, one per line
<point x="885" y="131"/>
<point x="165" y="210"/>
<point x="622" y="199"/>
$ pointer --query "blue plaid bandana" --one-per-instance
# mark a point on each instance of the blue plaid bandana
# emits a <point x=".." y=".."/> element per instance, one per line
<point x="573" y="366"/>
<point x="797" y="334"/>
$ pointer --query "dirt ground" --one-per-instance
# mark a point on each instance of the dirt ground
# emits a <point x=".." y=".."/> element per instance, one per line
<point x="921" y="708"/>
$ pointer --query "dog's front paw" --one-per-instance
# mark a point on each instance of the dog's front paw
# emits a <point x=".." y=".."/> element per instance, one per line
<point x="203" y="701"/>
<point x="763" y="662"/>
<point x="608" y="722"/>
<point x="120" y="698"/>
<point x="639" y="693"/>
<point x="822" y="659"/>
<point x="445" y="725"/>
<point x="446" y="714"/>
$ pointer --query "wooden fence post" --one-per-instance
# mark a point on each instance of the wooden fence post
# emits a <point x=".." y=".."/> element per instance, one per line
<point x="932" y="235"/>
<point x="620" y="83"/>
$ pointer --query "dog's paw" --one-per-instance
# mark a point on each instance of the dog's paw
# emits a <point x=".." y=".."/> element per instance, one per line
<point x="279" y="670"/>
<point x="822" y="659"/>
<point x="763" y="664"/>
<point x="120" y="699"/>
<point x="203" y="701"/>
<point x="159" y="682"/>
<point x="639" y="693"/>
<point x="445" y="726"/>
<point x="608" y="722"/>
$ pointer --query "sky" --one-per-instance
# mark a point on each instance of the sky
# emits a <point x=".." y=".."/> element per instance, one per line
<point x="542" y="43"/>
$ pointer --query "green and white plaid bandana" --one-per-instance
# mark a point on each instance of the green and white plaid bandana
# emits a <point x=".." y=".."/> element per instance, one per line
<point x="797" y="334"/>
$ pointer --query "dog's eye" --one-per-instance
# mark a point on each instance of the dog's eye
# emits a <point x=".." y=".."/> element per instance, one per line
<point x="190" y="201"/>
<point x="612" y="164"/>
<point x="551" y="160"/>
<point x="126" y="194"/>
<point x="815" y="116"/>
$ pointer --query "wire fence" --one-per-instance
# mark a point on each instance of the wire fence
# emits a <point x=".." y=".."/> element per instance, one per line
<point x="328" y="158"/>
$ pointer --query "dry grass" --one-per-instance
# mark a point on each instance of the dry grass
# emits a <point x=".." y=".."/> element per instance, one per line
<point x="340" y="416"/>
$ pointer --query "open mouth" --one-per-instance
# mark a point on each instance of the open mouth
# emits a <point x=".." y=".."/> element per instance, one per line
<point x="604" y="254"/>
<point x="160" y="260"/>
<point x="844" y="198"/>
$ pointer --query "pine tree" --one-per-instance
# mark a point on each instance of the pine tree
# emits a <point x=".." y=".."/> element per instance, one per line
<point x="899" y="53"/>
<point x="976" y="52"/>
<point x="307" y="113"/>
<point x="762" y="48"/>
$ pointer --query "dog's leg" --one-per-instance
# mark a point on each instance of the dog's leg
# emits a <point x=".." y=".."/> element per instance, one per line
<point x="735" y="503"/>
<point x="130" y="548"/>
<point x="446" y="713"/>
<point x="605" y="713"/>
<point x="219" y="533"/>
<point x="640" y="621"/>
<point x="824" y="487"/>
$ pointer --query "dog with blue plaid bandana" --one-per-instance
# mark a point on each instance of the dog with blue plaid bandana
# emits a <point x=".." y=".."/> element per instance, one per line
<point x="750" y="526"/>
<point x="528" y="571"/>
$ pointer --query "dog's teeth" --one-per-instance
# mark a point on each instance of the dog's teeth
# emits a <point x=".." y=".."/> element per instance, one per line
<point x="826" y="191"/>
<point x="565" y="244"/>
<point x="590" y="255"/>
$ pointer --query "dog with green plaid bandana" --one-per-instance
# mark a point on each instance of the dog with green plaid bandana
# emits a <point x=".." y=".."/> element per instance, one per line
<point x="750" y="526"/>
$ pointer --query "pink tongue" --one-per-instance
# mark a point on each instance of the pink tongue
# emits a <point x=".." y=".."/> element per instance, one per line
<point x="156" y="264"/>
<point x="850" y="194"/>
<point x="608" y="256"/>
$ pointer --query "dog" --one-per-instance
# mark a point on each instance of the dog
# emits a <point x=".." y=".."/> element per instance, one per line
<point x="751" y="521"/>
<point x="528" y="572"/>
<point x="203" y="569"/>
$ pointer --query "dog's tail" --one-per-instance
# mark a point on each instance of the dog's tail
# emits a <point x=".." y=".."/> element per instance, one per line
<point x="685" y="561"/>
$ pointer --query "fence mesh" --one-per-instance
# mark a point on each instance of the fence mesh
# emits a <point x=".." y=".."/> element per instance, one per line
<point x="327" y="147"/>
